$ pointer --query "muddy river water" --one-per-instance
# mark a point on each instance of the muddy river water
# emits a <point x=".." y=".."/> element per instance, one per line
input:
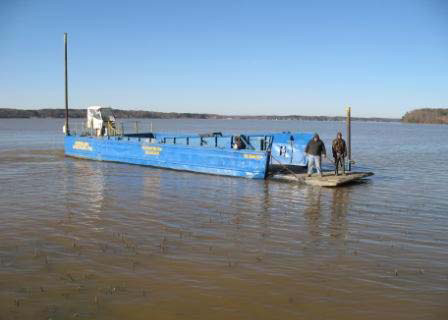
<point x="92" y="240"/>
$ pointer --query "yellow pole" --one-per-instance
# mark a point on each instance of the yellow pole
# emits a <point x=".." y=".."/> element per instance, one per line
<point x="349" y="137"/>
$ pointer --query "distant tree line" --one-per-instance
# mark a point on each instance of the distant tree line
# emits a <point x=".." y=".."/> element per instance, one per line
<point x="426" y="115"/>
<point x="81" y="113"/>
<point x="138" y="114"/>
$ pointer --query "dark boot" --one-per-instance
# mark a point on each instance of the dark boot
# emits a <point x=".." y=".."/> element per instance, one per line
<point x="336" y="164"/>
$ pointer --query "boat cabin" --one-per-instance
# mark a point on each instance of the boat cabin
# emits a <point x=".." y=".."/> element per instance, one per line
<point x="101" y="121"/>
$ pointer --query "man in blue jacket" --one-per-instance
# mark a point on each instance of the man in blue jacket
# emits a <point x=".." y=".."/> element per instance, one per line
<point x="314" y="150"/>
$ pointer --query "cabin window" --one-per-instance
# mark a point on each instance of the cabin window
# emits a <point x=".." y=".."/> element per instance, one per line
<point x="97" y="115"/>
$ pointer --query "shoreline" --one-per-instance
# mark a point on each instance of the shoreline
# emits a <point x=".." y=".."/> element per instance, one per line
<point x="9" y="113"/>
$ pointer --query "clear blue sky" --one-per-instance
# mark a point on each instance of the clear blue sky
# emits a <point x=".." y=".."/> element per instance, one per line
<point x="383" y="58"/>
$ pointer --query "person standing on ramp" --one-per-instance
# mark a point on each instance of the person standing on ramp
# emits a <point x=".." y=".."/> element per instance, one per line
<point x="314" y="150"/>
<point x="339" y="153"/>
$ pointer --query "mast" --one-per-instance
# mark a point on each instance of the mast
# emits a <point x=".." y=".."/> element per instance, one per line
<point x="67" y="131"/>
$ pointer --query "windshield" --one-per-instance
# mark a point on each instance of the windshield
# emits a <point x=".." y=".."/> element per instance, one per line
<point x="107" y="114"/>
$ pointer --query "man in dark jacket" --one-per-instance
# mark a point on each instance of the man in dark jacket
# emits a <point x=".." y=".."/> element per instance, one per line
<point x="339" y="153"/>
<point x="314" y="150"/>
<point x="239" y="143"/>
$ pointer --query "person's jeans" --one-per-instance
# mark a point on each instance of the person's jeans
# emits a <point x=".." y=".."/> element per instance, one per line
<point x="313" y="161"/>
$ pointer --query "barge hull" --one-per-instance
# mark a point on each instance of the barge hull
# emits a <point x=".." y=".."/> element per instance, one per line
<point x="228" y="162"/>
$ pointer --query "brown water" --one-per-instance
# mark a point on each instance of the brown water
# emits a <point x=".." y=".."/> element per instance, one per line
<point x="92" y="240"/>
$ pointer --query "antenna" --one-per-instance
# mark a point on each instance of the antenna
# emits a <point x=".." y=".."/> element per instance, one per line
<point x="67" y="131"/>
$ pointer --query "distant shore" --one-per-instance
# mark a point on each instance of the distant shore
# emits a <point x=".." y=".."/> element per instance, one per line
<point x="139" y="114"/>
<point x="427" y="115"/>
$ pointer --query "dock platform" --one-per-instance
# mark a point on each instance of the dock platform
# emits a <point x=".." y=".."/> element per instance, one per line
<point x="329" y="179"/>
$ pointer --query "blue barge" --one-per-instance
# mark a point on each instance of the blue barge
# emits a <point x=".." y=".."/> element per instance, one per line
<point x="142" y="151"/>
<point x="286" y="148"/>
<point x="240" y="156"/>
<point x="244" y="155"/>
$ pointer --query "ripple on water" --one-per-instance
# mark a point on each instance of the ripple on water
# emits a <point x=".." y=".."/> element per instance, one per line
<point x="107" y="240"/>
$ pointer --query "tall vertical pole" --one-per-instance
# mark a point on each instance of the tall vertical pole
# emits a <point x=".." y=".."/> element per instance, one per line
<point x="67" y="131"/>
<point x="349" y="137"/>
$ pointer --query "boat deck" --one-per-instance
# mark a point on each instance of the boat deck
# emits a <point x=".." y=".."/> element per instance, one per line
<point x="329" y="179"/>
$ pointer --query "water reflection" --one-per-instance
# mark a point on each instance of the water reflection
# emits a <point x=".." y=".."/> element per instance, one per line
<point x="172" y="199"/>
<point x="313" y="199"/>
<point x="85" y="190"/>
<point x="339" y="206"/>
<point x="320" y="220"/>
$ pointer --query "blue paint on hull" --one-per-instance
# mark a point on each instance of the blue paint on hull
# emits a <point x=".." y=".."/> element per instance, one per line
<point x="287" y="148"/>
<point x="211" y="160"/>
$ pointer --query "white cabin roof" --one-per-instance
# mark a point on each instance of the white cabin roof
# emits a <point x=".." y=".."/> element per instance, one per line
<point x="95" y="108"/>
